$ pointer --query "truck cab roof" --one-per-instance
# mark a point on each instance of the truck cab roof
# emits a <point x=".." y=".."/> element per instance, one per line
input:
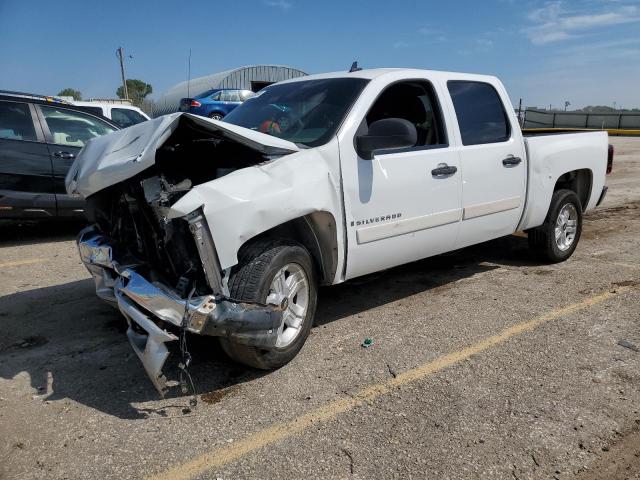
<point x="373" y="73"/>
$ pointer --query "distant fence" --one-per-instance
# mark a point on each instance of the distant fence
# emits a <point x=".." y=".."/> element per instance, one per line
<point x="597" y="121"/>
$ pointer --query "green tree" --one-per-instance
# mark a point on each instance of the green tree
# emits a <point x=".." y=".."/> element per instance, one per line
<point x="137" y="90"/>
<point x="70" y="92"/>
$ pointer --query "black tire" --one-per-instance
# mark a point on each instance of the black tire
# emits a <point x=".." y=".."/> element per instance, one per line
<point x="216" y="116"/>
<point x="251" y="279"/>
<point x="542" y="241"/>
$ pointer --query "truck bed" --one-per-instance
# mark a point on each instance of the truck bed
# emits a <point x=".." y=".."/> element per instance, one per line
<point x="550" y="155"/>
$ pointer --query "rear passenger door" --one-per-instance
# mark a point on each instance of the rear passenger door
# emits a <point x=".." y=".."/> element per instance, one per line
<point x="66" y="132"/>
<point x="26" y="186"/>
<point x="492" y="160"/>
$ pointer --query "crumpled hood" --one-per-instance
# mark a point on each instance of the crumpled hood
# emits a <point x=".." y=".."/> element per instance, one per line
<point x="107" y="160"/>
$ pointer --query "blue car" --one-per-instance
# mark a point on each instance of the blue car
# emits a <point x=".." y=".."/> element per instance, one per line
<point x="216" y="103"/>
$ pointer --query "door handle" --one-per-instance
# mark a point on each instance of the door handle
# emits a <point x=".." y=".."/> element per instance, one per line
<point x="65" y="155"/>
<point x="444" y="170"/>
<point x="511" y="161"/>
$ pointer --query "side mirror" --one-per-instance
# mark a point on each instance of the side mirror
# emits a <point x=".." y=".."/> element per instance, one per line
<point x="388" y="133"/>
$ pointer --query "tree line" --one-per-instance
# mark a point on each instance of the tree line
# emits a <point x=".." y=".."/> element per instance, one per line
<point x="137" y="89"/>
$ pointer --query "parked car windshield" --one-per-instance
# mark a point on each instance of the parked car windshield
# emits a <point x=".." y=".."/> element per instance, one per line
<point x="306" y="112"/>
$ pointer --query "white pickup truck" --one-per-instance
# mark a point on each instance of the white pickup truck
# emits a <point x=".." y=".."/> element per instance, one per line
<point x="227" y="229"/>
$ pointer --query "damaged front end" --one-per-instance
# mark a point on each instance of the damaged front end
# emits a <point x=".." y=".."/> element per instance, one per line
<point x="163" y="273"/>
<point x="156" y="313"/>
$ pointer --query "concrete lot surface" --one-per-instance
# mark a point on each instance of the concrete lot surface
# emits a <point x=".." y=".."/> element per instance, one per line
<point x="485" y="364"/>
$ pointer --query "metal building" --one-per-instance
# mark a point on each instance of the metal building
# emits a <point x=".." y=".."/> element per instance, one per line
<point x="254" y="77"/>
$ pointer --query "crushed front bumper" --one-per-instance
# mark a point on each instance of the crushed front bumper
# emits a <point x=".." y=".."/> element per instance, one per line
<point x="154" y="310"/>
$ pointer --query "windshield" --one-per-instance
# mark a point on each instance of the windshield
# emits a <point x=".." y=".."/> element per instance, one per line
<point x="305" y="112"/>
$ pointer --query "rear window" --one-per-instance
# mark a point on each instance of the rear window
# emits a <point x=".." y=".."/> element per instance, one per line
<point x="125" y="117"/>
<point x="246" y="95"/>
<point x="94" y="110"/>
<point x="230" y="96"/>
<point x="480" y="112"/>
<point x="16" y="122"/>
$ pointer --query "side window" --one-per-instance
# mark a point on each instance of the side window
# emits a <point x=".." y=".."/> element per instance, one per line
<point x="231" y="96"/>
<point x="16" y="122"/>
<point x="246" y="95"/>
<point x="216" y="96"/>
<point x="72" y="128"/>
<point x="125" y="117"/>
<point x="94" y="110"/>
<point x="480" y="112"/>
<point x="415" y="101"/>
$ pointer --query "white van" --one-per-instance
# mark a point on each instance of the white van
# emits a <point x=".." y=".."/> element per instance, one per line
<point x="121" y="114"/>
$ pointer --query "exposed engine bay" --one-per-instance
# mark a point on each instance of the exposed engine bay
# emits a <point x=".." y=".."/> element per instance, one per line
<point x="134" y="212"/>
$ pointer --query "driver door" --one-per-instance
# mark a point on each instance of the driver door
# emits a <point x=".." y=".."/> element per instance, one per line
<point x="398" y="207"/>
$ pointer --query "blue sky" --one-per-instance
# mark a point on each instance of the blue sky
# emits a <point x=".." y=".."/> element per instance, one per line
<point x="586" y="52"/>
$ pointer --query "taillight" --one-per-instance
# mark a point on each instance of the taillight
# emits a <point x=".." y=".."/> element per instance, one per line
<point x="195" y="103"/>
<point x="610" y="160"/>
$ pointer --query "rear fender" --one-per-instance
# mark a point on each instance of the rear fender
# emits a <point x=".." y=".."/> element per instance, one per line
<point x="551" y="158"/>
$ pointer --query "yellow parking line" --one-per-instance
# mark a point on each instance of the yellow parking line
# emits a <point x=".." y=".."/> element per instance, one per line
<point x="22" y="262"/>
<point x="262" y="438"/>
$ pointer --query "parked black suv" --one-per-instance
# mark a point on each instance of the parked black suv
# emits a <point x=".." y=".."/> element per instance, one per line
<point x="39" y="138"/>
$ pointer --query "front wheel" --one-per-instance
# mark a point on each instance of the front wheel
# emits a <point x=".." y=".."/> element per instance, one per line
<point x="557" y="238"/>
<point x="269" y="270"/>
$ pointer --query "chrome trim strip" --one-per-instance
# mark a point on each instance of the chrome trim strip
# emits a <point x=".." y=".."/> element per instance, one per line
<point x="482" y="209"/>
<point x="162" y="302"/>
<point x="407" y="225"/>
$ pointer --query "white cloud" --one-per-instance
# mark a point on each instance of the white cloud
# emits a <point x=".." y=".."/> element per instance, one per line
<point x="281" y="4"/>
<point x="432" y="34"/>
<point x="596" y="50"/>
<point x="544" y="37"/>
<point x="479" y="45"/>
<point x="427" y="31"/>
<point x="401" y="44"/>
<point x="552" y="23"/>
<point x="484" y="44"/>
<point x="425" y="35"/>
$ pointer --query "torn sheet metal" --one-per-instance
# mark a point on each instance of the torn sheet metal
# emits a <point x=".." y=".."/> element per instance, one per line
<point x="107" y="160"/>
<point x="247" y="202"/>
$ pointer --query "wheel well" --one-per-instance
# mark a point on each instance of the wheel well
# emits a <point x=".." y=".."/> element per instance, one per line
<point x="317" y="233"/>
<point x="579" y="181"/>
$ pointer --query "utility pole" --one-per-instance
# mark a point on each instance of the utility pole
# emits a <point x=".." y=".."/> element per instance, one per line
<point x="189" y="75"/>
<point x="566" y="104"/>
<point x="120" y="54"/>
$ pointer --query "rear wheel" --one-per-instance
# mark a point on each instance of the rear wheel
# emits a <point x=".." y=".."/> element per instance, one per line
<point x="216" y="116"/>
<point x="270" y="270"/>
<point x="557" y="238"/>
